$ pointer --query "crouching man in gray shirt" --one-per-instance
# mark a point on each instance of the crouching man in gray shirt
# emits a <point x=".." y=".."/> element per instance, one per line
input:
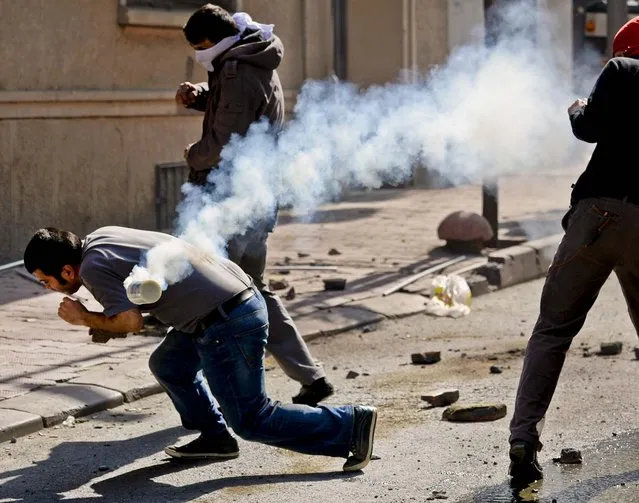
<point x="215" y="348"/>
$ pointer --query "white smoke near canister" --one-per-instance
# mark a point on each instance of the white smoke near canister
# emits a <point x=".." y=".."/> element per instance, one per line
<point x="486" y="112"/>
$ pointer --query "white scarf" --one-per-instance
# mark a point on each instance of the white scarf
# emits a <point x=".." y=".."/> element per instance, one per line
<point x="243" y="20"/>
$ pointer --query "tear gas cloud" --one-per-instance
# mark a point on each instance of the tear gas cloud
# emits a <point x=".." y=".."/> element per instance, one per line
<point x="487" y="111"/>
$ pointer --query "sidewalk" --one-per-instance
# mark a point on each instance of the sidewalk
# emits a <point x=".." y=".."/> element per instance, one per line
<point x="51" y="370"/>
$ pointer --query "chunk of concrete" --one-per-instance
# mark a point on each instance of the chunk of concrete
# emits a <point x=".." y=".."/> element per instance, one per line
<point x="475" y="413"/>
<point x="611" y="348"/>
<point x="132" y="378"/>
<point x="55" y="403"/>
<point x="442" y="398"/>
<point x="426" y="358"/>
<point x="16" y="423"/>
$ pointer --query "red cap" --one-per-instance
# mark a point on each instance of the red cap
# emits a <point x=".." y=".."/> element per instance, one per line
<point x="627" y="39"/>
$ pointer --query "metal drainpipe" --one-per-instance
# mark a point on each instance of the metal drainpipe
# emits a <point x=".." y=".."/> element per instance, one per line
<point x="340" y="39"/>
<point x="617" y="11"/>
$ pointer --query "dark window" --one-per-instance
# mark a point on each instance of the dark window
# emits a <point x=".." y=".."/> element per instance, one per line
<point x="189" y="5"/>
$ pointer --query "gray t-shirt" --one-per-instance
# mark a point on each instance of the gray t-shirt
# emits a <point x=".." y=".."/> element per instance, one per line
<point x="109" y="254"/>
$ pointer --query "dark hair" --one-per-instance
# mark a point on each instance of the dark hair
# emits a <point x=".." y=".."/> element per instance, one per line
<point x="50" y="250"/>
<point x="210" y="22"/>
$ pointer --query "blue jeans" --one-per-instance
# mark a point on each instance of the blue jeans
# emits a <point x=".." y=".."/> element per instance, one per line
<point x="226" y="360"/>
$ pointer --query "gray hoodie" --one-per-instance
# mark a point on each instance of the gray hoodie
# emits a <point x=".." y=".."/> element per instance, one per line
<point x="243" y="88"/>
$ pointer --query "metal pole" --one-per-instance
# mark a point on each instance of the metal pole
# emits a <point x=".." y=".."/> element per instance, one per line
<point x="617" y="17"/>
<point x="340" y="39"/>
<point x="11" y="265"/>
<point x="490" y="187"/>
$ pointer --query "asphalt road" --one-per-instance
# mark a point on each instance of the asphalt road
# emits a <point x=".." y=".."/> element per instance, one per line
<point x="116" y="456"/>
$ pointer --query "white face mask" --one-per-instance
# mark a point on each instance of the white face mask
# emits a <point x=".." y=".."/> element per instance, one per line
<point x="206" y="56"/>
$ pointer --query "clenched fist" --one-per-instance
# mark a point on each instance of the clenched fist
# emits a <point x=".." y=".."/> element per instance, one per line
<point x="72" y="311"/>
<point x="186" y="94"/>
<point x="577" y="105"/>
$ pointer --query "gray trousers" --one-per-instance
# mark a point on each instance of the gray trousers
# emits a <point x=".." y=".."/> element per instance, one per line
<point x="601" y="236"/>
<point x="284" y="342"/>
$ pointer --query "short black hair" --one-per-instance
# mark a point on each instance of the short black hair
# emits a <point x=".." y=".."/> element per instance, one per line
<point x="50" y="249"/>
<point x="210" y="22"/>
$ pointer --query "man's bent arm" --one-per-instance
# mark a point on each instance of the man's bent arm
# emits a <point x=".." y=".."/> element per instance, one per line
<point x="124" y="322"/>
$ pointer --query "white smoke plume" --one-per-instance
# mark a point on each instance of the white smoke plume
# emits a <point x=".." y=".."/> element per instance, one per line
<point x="486" y="112"/>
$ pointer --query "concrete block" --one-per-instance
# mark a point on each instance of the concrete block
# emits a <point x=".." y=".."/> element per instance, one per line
<point x="516" y="265"/>
<point x="395" y="305"/>
<point x="546" y="249"/>
<point x="55" y="403"/>
<point x="132" y="378"/>
<point x="16" y="423"/>
<point x="334" y="320"/>
<point x="478" y="284"/>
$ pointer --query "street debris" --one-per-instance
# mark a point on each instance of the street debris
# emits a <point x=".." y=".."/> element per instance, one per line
<point x="277" y="284"/>
<point x="334" y="251"/>
<point x="637" y="353"/>
<point x="369" y="328"/>
<point x="419" y="275"/>
<point x="451" y="297"/>
<point x="335" y="284"/>
<point x="437" y="495"/>
<point x="69" y="422"/>
<point x="494" y="369"/>
<point x="303" y="255"/>
<point x="569" y="456"/>
<point x="290" y="295"/>
<point x="14" y="440"/>
<point x="610" y="348"/>
<point x="475" y="412"/>
<point x="103" y="468"/>
<point x="426" y="358"/>
<point x="442" y="398"/>
<point x="352" y="374"/>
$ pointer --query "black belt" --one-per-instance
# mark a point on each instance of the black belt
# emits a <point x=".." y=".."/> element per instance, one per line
<point x="220" y="312"/>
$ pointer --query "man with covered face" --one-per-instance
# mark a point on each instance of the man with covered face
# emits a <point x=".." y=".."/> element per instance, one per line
<point x="241" y="58"/>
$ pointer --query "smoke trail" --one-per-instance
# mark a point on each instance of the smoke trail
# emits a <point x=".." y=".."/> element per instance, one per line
<point x="486" y="112"/>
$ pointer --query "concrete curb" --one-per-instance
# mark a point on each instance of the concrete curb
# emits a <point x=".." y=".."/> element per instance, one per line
<point x="106" y="386"/>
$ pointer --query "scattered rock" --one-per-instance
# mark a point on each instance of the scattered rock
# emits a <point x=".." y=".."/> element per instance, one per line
<point x="494" y="369"/>
<point x="334" y="251"/>
<point x="335" y="284"/>
<point x="426" y="358"/>
<point x="103" y="468"/>
<point x="303" y="255"/>
<point x="369" y="328"/>
<point x="13" y="440"/>
<point x="442" y="398"/>
<point x="352" y="374"/>
<point x="290" y="295"/>
<point x="465" y="228"/>
<point x="611" y="348"/>
<point x="569" y="456"/>
<point x="287" y="260"/>
<point x="475" y="413"/>
<point x="69" y="421"/>
<point x="637" y="353"/>
<point x="277" y="284"/>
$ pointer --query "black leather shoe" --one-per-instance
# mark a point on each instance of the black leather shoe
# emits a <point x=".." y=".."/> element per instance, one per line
<point x="524" y="467"/>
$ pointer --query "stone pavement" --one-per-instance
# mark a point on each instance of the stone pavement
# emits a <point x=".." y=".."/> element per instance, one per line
<point x="51" y="370"/>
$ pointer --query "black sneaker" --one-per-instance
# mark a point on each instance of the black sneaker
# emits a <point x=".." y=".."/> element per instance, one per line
<point x="524" y="467"/>
<point x="221" y="446"/>
<point x="363" y="437"/>
<point x="311" y="395"/>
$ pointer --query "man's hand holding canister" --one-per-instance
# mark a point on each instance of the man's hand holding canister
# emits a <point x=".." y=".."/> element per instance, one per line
<point x="580" y="103"/>
<point x="186" y="94"/>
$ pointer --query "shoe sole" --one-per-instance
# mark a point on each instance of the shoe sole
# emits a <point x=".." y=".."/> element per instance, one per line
<point x="182" y="455"/>
<point x="371" y="437"/>
<point x="312" y="403"/>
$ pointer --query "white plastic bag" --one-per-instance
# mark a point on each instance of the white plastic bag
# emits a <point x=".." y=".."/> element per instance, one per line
<point x="450" y="297"/>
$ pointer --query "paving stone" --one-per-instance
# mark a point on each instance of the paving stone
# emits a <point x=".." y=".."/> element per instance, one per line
<point x="395" y="305"/>
<point x="55" y="403"/>
<point x="133" y="379"/>
<point x="474" y="413"/>
<point x="16" y="423"/>
<point x="334" y="320"/>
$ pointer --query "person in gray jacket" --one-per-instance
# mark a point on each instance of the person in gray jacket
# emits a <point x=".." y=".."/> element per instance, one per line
<point x="243" y="86"/>
<point x="215" y="348"/>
